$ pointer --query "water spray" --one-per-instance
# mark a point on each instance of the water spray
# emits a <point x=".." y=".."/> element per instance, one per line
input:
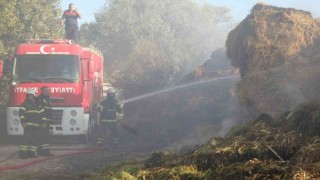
<point x="178" y="87"/>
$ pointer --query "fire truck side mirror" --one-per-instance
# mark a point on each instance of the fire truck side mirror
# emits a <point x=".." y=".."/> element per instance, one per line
<point x="1" y="69"/>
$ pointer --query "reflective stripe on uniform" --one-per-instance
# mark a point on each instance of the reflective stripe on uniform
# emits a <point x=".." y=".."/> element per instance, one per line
<point x="22" y="108"/>
<point x="33" y="148"/>
<point x="107" y="120"/>
<point x="45" y="146"/>
<point x="32" y="124"/>
<point x="100" y="140"/>
<point x="35" y="111"/>
<point x="22" y="117"/>
<point x="23" y="148"/>
<point x="115" y="140"/>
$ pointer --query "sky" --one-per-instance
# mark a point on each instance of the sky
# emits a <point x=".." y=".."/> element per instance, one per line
<point x="239" y="8"/>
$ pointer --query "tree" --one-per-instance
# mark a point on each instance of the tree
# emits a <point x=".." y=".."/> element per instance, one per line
<point x="25" y="19"/>
<point x="150" y="43"/>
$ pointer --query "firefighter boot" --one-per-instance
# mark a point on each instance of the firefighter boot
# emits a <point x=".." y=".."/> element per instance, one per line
<point x="46" y="152"/>
<point x="112" y="145"/>
<point x="23" y="152"/>
<point x="100" y="141"/>
<point x="32" y="152"/>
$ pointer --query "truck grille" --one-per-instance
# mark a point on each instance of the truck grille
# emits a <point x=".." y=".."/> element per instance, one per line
<point x="56" y="118"/>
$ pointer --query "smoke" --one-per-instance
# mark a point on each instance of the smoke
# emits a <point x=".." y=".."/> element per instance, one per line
<point x="226" y="125"/>
<point x="167" y="41"/>
<point x="292" y="90"/>
<point x="211" y="37"/>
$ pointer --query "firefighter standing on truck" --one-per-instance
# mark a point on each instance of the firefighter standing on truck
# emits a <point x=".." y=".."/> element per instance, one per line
<point x="70" y="21"/>
<point x="109" y="108"/>
<point x="45" y="102"/>
<point x="31" y="117"/>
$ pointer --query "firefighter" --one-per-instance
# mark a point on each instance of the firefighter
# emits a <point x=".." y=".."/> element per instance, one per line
<point x="109" y="108"/>
<point x="45" y="102"/>
<point x="31" y="116"/>
<point x="70" y="21"/>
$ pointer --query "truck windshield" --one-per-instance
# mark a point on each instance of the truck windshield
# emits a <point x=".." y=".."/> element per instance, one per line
<point x="46" y="68"/>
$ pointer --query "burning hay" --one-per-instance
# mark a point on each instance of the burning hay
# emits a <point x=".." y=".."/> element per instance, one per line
<point x="266" y="148"/>
<point x="276" y="50"/>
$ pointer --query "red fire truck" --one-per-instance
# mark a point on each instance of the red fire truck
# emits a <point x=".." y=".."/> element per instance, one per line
<point x="74" y="75"/>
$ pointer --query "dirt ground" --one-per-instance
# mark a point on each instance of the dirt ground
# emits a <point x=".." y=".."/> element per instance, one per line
<point x="72" y="167"/>
<point x="75" y="167"/>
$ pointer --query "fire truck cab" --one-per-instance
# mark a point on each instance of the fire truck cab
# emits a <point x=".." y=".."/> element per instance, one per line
<point x="74" y="76"/>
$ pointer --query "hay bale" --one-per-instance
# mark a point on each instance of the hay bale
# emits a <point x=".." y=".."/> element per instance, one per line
<point x="218" y="66"/>
<point x="269" y="36"/>
<point x="277" y="52"/>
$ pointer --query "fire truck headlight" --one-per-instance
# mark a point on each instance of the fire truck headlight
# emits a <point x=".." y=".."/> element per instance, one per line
<point x="15" y="113"/>
<point x="73" y="122"/>
<point x="73" y="113"/>
<point x="16" y="122"/>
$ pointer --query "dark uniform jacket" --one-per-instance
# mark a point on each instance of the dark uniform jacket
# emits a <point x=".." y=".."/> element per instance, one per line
<point x="31" y="113"/>
<point x="45" y="103"/>
<point x="71" y="18"/>
<point x="110" y="108"/>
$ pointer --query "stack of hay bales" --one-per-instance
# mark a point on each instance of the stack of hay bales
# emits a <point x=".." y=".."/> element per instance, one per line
<point x="276" y="50"/>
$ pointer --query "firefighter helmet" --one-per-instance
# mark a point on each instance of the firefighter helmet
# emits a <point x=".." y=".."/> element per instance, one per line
<point x="32" y="92"/>
<point x="111" y="91"/>
<point x="44" y="88"/>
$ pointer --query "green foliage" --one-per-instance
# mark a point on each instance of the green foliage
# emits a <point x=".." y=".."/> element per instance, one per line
<point x="148" y="43"/>
<point x="27" y="19"/>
